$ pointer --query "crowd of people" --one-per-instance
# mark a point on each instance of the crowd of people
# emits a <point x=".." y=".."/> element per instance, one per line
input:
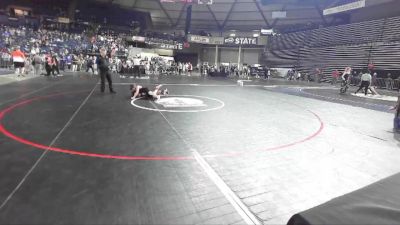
<point x="139" y="66"/>
<point x="379" y="79"/>
<point x="48" y="52"/>
<point x="52" y="64"/>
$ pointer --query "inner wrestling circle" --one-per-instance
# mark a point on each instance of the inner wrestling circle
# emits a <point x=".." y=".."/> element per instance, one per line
<point x="192" y="101"/>
<point x="19" y="139"/>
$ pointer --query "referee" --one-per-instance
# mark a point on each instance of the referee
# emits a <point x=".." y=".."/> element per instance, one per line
<point x="365" y="82"/>
<point x="103" y="66"/>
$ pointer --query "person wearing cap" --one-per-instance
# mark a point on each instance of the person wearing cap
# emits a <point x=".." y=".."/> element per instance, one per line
<point x="104" y="71"/>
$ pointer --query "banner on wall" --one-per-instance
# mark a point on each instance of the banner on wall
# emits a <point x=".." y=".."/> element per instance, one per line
<point x="278" y="14"/>
<point x="240" y="41"/>
<point x="177" y="46"/>
<point x="138" y="39"/>
<point x="63" y="20"/>
<point x="206" y="40"/>
<point x="199" y="39"/>
<point x="216" y="40"/>
<point x="164" y="44"/>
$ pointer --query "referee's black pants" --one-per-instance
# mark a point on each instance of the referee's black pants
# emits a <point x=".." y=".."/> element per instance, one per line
<point x="364" y="84"/>
<point x="103" y="76"/>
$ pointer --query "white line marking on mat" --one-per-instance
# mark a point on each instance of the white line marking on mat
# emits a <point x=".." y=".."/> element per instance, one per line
<point x="30" y="93"/>
<point x="199" y="85"/>
<point x="45" y="152"/>
<point x="235" y="201"/>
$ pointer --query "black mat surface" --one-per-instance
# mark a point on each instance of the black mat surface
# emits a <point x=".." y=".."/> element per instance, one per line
<point x="378" y="203"/>
<point x="83" y="157"/>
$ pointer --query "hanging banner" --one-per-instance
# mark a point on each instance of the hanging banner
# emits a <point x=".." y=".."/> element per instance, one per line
<point x="240" y="41"/>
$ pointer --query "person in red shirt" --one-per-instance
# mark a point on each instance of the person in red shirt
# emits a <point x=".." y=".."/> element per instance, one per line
<point x="335" y="75"/>
<point x="49" y="65"/>
<point x="19" y="61"/>
<point x="190" y="69"/>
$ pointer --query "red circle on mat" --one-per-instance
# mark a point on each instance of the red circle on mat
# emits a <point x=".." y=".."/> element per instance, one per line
<point x="17" y="138"/>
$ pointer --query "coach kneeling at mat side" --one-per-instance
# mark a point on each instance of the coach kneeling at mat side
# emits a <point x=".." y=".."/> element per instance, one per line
<point x="103" y="66"/>
<point x="365" y="82"/>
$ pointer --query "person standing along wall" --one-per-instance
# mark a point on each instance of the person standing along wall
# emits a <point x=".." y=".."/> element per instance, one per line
<point x="75" y="62"/>
<point x="190" y="68"/>
<point x="397" y="114"/>
<point x="49" y="65"/>
<point x="335" y="75"/>
<point x="389" y="82"/>
<point x="89" y="64"/>
<point x="55" y="65"/>
<point x="37" y="64"/>
<point x="69" y="61"/>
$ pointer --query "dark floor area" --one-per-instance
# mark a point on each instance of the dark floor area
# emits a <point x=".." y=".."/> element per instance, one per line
<point x="73" y="155"/>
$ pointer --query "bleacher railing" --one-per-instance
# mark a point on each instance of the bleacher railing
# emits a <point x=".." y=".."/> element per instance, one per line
<point x="5" y="63"/>
<point x="388" y="84"/>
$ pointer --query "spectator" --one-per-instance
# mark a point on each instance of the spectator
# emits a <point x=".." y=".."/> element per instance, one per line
<point x="75" y="61"/>
<point x="190" y="68"/>
<point x="335" y="75"/>
<point x="69" y="62"/>
<point x="37" y="64"/>
<point x="89" y="64"/>
<point x="397" y="114"/>
<point x="19" y="61"/>
<point x="374" y="80"/>
<point x="389" y="82"/>
<point x="50" y="65"/>
<point x="55" y="65"/>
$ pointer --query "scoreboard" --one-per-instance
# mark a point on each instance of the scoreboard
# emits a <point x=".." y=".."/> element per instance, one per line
<point x="200" y="2"/>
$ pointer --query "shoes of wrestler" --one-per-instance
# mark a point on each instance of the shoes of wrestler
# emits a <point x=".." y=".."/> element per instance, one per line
<point x="132" y="98"/>
<point x="113" y="92"/>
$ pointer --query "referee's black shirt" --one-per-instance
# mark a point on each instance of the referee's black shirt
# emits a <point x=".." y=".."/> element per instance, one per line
<point x="103" y="64"/>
